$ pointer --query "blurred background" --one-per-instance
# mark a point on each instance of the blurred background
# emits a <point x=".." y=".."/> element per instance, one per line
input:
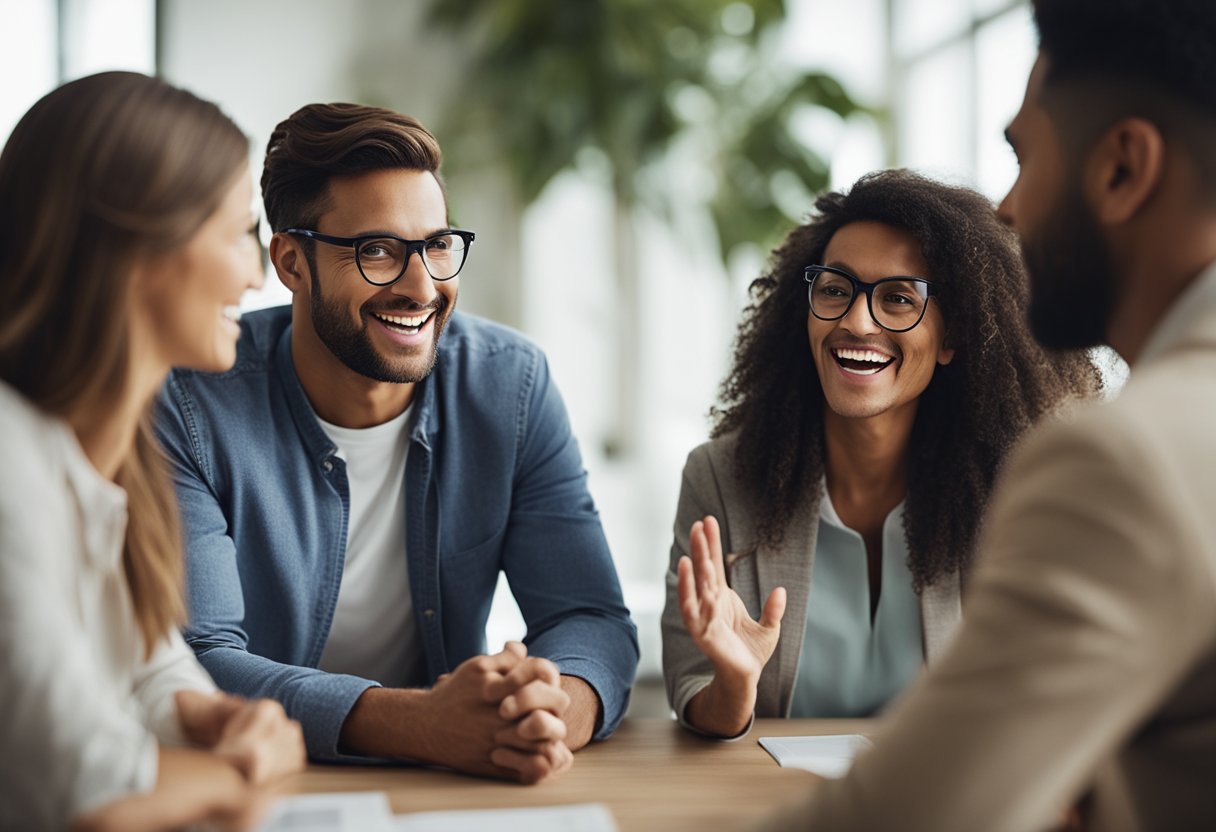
<point x="627" y="166"/>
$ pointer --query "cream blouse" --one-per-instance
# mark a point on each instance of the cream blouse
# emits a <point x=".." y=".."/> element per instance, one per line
<point x="81" y="710"/>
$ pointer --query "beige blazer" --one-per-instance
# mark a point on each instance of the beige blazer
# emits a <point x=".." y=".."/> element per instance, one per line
<point x="753" y="571"/>
<point x="1088" y="656"/>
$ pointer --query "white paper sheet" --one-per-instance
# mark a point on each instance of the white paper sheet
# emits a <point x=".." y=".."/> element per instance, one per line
<point x="331" y="812"/>
<point x="828" y="756"/>
<point x="580" y="817"/>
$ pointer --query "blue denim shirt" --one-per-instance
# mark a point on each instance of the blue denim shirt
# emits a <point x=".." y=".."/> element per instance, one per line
<point x="493" y="481"/>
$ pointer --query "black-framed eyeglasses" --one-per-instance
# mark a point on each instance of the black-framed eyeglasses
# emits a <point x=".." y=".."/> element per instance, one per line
<point x="896" y="304"/>
<point x="383" y="258"/>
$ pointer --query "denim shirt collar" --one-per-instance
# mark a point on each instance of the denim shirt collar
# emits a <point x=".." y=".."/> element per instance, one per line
<point x="425" y="423"/>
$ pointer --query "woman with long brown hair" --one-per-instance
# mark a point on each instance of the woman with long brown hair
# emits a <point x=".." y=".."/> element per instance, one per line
<point x="126" y="241"/>
<point x="882" y="373"/>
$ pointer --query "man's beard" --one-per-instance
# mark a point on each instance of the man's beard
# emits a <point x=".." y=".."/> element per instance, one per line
<point x="1073" y="282"/>
<point x="353" y="345"/>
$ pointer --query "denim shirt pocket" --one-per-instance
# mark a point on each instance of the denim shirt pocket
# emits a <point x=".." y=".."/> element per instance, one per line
<point x="475" y="569"/>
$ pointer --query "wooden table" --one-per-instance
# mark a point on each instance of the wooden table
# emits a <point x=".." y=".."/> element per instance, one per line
<point x="651" y="774"/>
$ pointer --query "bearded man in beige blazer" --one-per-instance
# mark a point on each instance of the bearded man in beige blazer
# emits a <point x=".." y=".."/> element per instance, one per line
<point x="1086" y="660"/>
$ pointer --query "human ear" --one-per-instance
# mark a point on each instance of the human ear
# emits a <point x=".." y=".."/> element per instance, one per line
<point x="1123" y="170"/>
<point x="289" y="261"/>
<point x="945" y="351"/>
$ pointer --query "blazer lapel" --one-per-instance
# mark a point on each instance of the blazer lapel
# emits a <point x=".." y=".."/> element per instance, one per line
<point x="788" y="565"/>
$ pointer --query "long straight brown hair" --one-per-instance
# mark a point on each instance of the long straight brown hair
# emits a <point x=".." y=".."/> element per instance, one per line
<point x="99" y="174"/>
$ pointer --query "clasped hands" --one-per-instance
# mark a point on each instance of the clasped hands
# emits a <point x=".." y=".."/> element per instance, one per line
<point x="254" y="735"/>
<point x="501" y="716"/>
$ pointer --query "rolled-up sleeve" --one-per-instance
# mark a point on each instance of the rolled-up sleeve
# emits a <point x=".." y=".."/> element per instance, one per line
<point x="171" y="668"/>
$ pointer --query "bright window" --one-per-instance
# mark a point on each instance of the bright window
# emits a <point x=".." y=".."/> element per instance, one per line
<point x="44" y="43"/>
<point x="960" y="72"/>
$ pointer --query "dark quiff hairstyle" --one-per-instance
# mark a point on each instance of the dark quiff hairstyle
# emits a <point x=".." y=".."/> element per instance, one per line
<point x="321" y="141"/>
<point x="973" y="410"/>
<point x="1154" y="59"/>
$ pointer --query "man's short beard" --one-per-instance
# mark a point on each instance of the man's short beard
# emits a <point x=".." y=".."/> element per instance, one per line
<point x="353" y="346"/>
<point x="1073" y="282"/>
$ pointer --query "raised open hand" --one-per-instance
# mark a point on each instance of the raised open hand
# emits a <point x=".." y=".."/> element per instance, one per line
<point x="736" y="645"/>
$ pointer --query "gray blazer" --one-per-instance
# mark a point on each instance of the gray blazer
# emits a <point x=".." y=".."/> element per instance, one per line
<point x="753" y="571"/>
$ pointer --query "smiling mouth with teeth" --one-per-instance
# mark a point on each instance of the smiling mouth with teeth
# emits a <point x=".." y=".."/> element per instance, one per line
<point x="405" y="324"/>
<point x="861" y="362"/>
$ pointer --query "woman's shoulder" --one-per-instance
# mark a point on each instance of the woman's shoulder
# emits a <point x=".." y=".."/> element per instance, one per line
<point x="710" y="472"/>
<point x="24" y="429"/>
<point x="28" y="438"/>
<point x="714" y="457"/>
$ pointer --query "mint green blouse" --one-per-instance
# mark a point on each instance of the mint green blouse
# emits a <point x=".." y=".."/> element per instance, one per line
<point x="849" y="667"/>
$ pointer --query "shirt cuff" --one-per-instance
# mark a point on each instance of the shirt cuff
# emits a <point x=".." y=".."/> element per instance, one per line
<point x="614" y="697"/>
<point x="324" y="710"/>
<point x="690" y="689"/>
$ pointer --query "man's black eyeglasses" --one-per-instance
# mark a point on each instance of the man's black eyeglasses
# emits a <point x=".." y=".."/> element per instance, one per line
<point x="383" y="258"/>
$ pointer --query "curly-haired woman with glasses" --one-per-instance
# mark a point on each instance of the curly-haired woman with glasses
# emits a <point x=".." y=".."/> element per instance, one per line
<point x="882" y="372"/>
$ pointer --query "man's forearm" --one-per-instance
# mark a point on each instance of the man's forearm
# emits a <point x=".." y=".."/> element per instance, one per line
<point x="389" y="722"/>
<point x="585" y="713"/>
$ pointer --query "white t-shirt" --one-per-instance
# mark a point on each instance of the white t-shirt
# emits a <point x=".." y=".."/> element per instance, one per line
<point x="81" y="707"/>
<point x="374" y="635"/>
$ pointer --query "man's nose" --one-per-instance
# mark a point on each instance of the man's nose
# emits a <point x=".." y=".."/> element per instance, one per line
<point x="415" y="283"/>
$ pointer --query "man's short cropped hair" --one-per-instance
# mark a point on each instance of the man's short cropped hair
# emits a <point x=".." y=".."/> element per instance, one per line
<point x="1169" y="45"/>
<point x="1113" y="59"/>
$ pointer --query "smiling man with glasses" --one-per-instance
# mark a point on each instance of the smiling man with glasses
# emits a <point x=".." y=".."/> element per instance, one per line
<point x="882" y="372"/>
<point x="351" y="490"/>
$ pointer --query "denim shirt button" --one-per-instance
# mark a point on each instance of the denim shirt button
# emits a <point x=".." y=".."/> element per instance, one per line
<point x="328" y="465"/>
<point x="429" y="614"/>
